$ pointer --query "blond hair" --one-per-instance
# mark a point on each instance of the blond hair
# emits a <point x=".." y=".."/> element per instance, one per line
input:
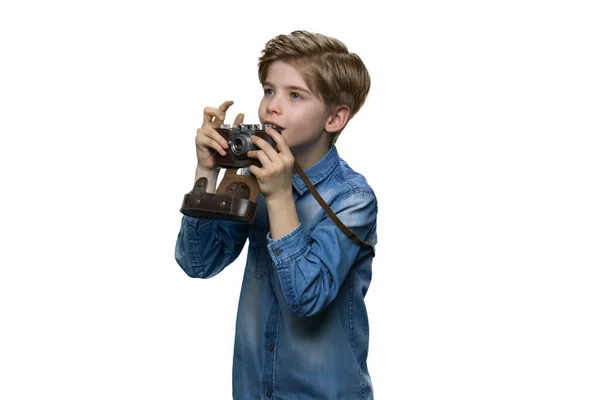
<point x="337" y="76"/>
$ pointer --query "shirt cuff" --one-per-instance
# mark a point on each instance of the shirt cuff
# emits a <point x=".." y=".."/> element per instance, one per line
<point x="290" y="245"/>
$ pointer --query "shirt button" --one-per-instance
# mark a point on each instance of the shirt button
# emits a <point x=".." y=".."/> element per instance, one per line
<point x="271" y="347"/>
<point x="269" y="394"/>
<point x="277" y="252"/>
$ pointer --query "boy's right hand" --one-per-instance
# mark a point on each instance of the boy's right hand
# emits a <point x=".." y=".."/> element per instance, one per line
<point x="208" y="139"/>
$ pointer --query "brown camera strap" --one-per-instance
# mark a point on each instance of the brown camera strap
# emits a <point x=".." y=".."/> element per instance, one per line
<point x="328" y="210"/>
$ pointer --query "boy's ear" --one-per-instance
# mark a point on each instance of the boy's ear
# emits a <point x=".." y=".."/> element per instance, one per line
<point x="338" y="117"/>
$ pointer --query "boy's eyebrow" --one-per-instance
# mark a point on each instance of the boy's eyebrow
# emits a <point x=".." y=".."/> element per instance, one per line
<point x="303" y="89"/>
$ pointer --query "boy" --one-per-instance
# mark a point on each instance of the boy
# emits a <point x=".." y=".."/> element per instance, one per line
<point x="302" y="328"/>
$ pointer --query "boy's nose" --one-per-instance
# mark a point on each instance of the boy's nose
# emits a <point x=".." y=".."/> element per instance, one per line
<point x="274" y="106"/>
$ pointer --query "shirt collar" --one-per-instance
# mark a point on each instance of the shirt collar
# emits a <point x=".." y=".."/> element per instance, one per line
<point x="322" y="169"/>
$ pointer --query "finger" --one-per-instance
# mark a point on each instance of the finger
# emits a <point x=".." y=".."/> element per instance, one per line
<point x="280" y="141"/>
<point x="225" y="106"/>
<point x="210" y="144"/>
<point x="239" y="119"/>
<point x="265" y="161"/>
<point x="211" y="133"/>
<point x="254" y="170"/>
<point x="216" y="136"/>
<point x="264" y="146"/>
<point x="213" y="140"/>
<point x="212" y="116"/>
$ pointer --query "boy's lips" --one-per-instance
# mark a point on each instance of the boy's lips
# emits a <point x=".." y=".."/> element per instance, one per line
<point x="274" y="124"/>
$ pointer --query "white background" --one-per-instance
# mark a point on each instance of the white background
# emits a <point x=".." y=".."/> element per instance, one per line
<point x="479" y="136"/>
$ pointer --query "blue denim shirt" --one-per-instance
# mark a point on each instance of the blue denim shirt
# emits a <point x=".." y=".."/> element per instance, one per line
<point x="302" y="330"/>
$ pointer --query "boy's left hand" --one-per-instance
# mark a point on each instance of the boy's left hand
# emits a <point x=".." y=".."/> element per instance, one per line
<point x="275" y="176"/>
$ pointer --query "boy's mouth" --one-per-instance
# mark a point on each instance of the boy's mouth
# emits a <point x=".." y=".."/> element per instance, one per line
<point x="274" y="125"/>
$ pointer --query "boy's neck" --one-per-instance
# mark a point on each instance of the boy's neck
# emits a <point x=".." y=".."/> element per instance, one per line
<point x="309" y="158"/>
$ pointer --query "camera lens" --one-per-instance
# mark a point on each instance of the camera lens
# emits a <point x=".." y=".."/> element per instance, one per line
<point x="238" y="145"/>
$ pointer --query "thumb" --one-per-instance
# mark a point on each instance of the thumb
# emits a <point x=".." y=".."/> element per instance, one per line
<point x="239" y="119"/>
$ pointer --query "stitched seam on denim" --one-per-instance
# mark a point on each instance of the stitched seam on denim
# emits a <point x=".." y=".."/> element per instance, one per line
<point x="255" y="268"/>
<point x="294" y="304"/>
<point x="337" y="175"/>
<point x="327" y="172"/>
<point x="351" y="334"/>
<point x="350" y="313"/>
<point x="275" y="353"/>
<point x="299" y="308"/>
<point x="363" y="389"/>
<point x="366" y="192"/>
<point x="292" y="233"/>
<point x="193" y="243"/>
<point x="362" y="385"/>
<point x="264" y="360"/>
<point x="294" y="255"/>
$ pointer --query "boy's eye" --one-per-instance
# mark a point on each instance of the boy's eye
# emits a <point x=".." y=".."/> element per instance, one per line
<point x="295" y="95"/>
<point x="268" y="91"/>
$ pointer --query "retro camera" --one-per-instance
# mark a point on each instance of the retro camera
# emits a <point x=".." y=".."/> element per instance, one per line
<point x="235" y="198"/>
<point x="238" y="138"/>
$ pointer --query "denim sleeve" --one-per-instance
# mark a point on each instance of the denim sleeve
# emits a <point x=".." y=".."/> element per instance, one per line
<point x="312" y="267"/>
<point x="205" y="247"/>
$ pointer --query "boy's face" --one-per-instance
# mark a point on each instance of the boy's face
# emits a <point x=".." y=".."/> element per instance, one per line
<point x="289" y="104"/>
